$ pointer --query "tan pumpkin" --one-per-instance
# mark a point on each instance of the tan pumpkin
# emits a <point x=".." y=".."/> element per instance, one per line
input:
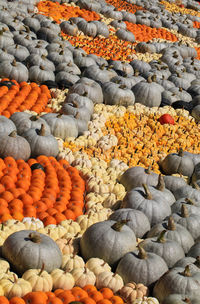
<point x="83" y="276"/>
<point x="68" y="245"/>
<point x="71" y="226"/>
<point x="132" y="291"/>
<point x="15" y="287"/>
<point x="55" y="231"/>
<point x="4" y="266"/>
<point x="146" y="300"/>
<point x="97" y="265"/>
<point x="72" y="261"/>
<point x="62" y="279"/>
<point x="39" y="279"/>
<point x="110" y="280"/>
<point x="32" y="223"/>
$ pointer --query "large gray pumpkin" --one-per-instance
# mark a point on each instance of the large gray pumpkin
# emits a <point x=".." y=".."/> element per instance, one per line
<point x="116" y="94"/>
<point x="188" y="220"/>
<point x="6" y="125"/>
<point x="178" y="280"/>
<point x="136" y="220"/>
<point x="41" y="143"/>
<point x="177" y="163"/>
<point x="136" y="176"/>
<point x="148" y="93"/>
<point x="108" y="240"/>
<point x="141" y="267"/>
<point x="61" y="126"/>
<point x="14" y="70"/>
<point x="14" y="145"/>
<point x="194" y="263"/>
<point x="25" y="121"/>
<point x="180" y="299"/>
<point x="169" y="250"/>
<point x="27" y="249"/>
<point x="174" y="232"/>
<point x="150" y="201"/>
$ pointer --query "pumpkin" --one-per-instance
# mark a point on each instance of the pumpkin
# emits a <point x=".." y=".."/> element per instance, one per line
<point x="178" y="280"/>
<point x="15" y="146"/>
<point x="171" y="251"/>
<point x="146" y="300"/>
<point x="141" y="267"/>
<point x="15" y="288"/>
<point x="166" y="119"/>
<point x="136" y="220"/>
<point x="97" y="265"/>
<point x="182" y="299"/>
<point x="116" y="94"/>
<point x="62" y="279"/>
<point x="118" y="234"/>
<point x="72" y="261"/>
<point x="39" y="279"/>
<point x="14" y="70"/>
<point x="110" y="280"/>
<point x="34" y="255"/>
<point x="132" y="291"/>
<point x="136" y="176"/>
<point x="83" y="277"/>
<point x="148" y="200"/>
<point x="41" y="142"/>
<point x="174" y="232"/>
<point x="177" y="163"/>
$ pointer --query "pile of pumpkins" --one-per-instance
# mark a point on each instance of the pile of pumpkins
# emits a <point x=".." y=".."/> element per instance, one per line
<point x="140" y="233"/>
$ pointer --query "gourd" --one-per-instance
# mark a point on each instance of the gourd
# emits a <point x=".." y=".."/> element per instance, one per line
<point x="83" y="276"/>
<point x="35" y="249"/>
<point x="97" y="265"/>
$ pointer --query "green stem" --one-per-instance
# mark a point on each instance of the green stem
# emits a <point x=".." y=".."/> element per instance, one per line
<point x="118" y="225"/>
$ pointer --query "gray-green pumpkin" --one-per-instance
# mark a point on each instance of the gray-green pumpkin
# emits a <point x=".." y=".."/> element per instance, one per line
<point x="192" y="206"/>
<point x="169" y="250"/>
<point x="177" y="163"/>
<point x="141" y="267"/>
<point x="178" y="280"/>
<point x="174" y="232"/>
<point x="180" y="299"/>
<point x="136" y="176"/>
<point x="14" y="145"/>
<point x="136" y="220"/>
<point x="108" y="240"/>
<point x="188" y="220"/>
<point x="28" y="249"/>
<point x="194" y="263"/>
<point x="61" y="126"/>
<point x="41" y="143"/>
<point x="150" y="201"/>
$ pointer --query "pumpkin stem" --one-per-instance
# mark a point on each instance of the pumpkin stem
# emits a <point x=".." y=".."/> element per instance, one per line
<point x="149" y="79"/>
<point x="180" y="152"/>
<point x="161" y="237"/>
<point x="196" y="186"/>
<point x="161" y="184"/>
<point x="14" y="62"/>
<point x="118" y="225"/>
<point x="34" y="117"/>
<point x="184" y="211"/>
<point x="187" y="300"/>
<point x="15" y="278"/>
<point x="171" y="224"/>
<point x="142" y="253"/>
<point x="189" y="201"/>
<point x="197" y="262"/>
<point x="13" y="134"/>
<point x="41" y="132"/>
<point x="148" y="170"/>
<point x="34" y="237"/>
<point x="41" y="270"/>
<point x="147" y="192"/>
<point x="186" y="271"/>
